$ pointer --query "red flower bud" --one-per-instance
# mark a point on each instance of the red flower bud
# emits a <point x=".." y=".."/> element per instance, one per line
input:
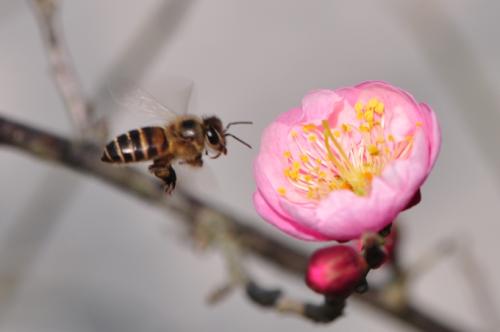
<point x="335" y="270"/>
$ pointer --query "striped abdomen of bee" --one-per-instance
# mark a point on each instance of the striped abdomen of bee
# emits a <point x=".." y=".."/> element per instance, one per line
<point x="137" y="145"/>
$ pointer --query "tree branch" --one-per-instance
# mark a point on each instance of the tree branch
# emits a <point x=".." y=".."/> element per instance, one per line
<point x="64" y="75"/>
<point x="84" y="157"/>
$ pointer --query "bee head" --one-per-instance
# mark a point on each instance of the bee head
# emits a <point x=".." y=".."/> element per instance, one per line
<point x="215" y="134"/>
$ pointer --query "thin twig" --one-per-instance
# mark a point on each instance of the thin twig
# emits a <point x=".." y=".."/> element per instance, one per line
<point x="214" y="230"/>
<point x="66" y="79"/>
<point x="85" y="158"/>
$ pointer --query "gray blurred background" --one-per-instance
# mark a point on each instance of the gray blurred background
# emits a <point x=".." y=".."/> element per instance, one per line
<point x="78" y="255"/>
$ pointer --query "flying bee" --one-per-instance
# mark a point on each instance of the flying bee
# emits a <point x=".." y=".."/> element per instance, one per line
<point x="184" y="138"/>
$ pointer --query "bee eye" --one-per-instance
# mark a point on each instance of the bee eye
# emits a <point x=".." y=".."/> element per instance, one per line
<point x="212" y="136"/>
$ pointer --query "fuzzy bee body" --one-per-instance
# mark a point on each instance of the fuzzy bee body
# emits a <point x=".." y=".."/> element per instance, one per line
<point x="137" y="145"/>
<point x="184" y="137"/>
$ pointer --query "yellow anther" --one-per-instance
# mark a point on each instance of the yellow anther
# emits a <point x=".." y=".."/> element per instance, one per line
<point x="304" y="158"/>
<point x="391" y="138"/>
<point x="287" y="154"/>
<point x="282" y="191"/>
<point x="295" y="165"/>
<point x="308" y="127"/>
<point x="319" y="161"/>
<point x="294" y="133"/>
<point x="312" y="138"/>
<point x="369" y="116"/>
<point x="359" y="115"/>
<point x="372" y="103"/>
<point x="379" y="109"/>
<point x="345" y="185"/>
<point x="336" y="133"/>
<point x="287" y="171"/>
<point x="419" y="124"/>
<point x="364" y="127"/>
<point x="310" y="193"/>
<point x="346" y="128"/>
<point x="358" y="107"/>
<point x="293" y="175"/>
<point x="322" y="175"/>
<point x="380" y="139"/>
<point x="373" y="150"/>
<point x="307" y="177"/>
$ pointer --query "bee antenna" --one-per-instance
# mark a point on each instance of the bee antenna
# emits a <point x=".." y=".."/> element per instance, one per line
<point x="237" y="123"/>
<point x="239" y="140"/>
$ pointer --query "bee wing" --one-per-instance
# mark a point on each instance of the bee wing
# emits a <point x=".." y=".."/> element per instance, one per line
<point x="138" y="100"/>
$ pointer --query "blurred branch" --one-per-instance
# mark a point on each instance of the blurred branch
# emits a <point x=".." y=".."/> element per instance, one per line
<point x="64" y="75"/>
<point x="84" y="157"/>
<point x="213" y="229"/>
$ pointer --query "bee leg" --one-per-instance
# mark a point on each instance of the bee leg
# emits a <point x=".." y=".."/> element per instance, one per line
<point x="196" y="162"/>
<point x="162" y="169"/>
<point x="167" y="174"/>
<point x="170" y="179"/>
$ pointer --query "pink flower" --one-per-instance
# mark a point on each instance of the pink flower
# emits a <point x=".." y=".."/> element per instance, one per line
<point x="345" y="163"/>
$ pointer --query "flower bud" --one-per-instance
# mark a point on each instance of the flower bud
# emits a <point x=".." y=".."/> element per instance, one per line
<point x="379" y="249"/>
<point x="335" y="270"/>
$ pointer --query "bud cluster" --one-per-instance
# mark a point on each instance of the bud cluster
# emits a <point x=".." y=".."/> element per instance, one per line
<point x="339" y="270"/>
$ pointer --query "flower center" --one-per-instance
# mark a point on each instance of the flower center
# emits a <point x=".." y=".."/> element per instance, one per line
<point x="322" y="159"/>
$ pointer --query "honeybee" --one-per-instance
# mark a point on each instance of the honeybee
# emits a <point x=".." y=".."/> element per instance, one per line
<point x="184" y="138"/>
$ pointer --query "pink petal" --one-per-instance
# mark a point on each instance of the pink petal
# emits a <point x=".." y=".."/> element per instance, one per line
<point x="318" y="105"/>
<point x="434" y="132"/>
<point x="285" y="224"/>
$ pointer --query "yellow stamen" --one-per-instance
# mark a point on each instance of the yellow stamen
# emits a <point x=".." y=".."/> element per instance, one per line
<point x="358" y="107"/>
<point x="294" y="175"/>
<point x="373" y="150"/>
<point x="331" y="159"/>
<point x="328" y="135"/>
<point x="346" y="128"/>
<point x="379" y="109"/>
<point x="308" y="127"/>
<point x="372" y="103"/>
<point x="369" y="116"/>
<point x="364" y="127"/>
<point x="282" y="191"/>
<point x="310" y="193"/>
